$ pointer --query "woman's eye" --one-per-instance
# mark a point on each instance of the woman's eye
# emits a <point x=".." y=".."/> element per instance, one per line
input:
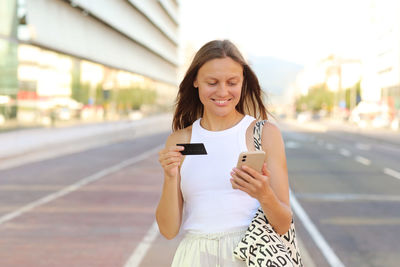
<point x="231" y="84"/>
<point x="214" y="83"/>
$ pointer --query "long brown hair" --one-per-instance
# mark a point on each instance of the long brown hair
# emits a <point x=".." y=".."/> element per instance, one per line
<point x="188" y="105"/>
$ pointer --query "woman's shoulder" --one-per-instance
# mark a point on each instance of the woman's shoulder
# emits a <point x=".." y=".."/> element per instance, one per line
<point x="271" y="132"/>
<point x="180" y="136"/>
<point x="270" y="126"/>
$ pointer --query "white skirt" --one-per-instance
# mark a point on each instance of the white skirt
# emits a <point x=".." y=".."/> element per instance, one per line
<point x="209" y="250"/>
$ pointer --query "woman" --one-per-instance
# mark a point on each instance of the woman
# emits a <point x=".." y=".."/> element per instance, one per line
<point x="217" y="103"/>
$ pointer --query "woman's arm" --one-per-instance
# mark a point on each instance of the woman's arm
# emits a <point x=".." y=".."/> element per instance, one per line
<point x="170" y="206"/>
<point x="271" y="187"/>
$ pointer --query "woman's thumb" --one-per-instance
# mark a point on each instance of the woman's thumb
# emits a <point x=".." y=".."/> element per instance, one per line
<point x="265" y="170"/>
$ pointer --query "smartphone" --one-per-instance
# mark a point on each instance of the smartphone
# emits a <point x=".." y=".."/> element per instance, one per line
<point x="253" y="159"/>
<point x="193" y="149"/>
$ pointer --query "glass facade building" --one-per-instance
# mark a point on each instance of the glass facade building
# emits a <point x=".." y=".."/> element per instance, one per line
<point x="89" y="60"/>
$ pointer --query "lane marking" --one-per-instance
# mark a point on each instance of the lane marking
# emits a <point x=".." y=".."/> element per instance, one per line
<point x="359" y="221"/>
<point x="138" y="254"/>
<point x="101" y="208"/>
<point x="92" y="188"/>
<point x="361" y="146"/>
<point x="392" y="173"/>
<point x="77" y="185"/>
<point x="330" y="146"/>
<point x="363" y="160"/>
<point x="347" y="197"/>
<point x="319" y="240"/>
<point x="345" y="152"/>
<point x="292" y="145"/>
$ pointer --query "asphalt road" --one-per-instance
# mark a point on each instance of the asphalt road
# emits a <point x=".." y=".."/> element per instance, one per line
<point x="96" y="207"/>
<point x="349" y="186"/>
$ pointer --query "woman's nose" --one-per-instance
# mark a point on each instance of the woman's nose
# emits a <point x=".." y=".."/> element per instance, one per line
<point x="222" y="90"/>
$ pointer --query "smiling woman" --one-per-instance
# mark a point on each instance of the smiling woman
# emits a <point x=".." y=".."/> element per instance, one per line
<point x="218" y="69"/>
<point x="218" y="102"/>
<point x="219" y="82"/>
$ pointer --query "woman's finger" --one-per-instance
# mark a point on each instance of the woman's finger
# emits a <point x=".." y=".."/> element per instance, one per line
<point x="251" y="187"/>
<point x="242" y="174"/>
<point x="236" y="185"/>
<point x="164" y="156"/>
<point x="173" y="150"/>
<point x="176" y="148"/>
<point x="239" y="180"/>
<point x="170" y="160"/>
<point x="251" y="172"/>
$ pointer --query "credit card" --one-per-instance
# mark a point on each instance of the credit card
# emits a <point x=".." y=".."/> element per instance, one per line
<point x="193" y="149"/>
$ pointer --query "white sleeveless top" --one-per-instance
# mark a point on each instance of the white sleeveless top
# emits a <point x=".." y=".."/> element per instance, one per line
<point x="211" y="205"/>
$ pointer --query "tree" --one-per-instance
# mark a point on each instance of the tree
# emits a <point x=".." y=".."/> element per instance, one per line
<point x="318" y="97"/>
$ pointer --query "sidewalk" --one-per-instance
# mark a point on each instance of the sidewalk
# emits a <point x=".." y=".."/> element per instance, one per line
<point x="23" y="146"/>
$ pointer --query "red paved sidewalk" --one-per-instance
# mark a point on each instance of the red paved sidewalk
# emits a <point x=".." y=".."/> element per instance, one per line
<point x="101" y="224"/>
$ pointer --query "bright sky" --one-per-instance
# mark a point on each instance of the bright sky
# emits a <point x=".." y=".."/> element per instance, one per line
<point x="298" y="31"/>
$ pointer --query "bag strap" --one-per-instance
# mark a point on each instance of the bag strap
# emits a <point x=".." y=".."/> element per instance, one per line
<point x="257" y="133"/>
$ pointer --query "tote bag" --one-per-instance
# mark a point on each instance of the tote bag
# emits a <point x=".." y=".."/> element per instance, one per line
<point x="261" y="245"/>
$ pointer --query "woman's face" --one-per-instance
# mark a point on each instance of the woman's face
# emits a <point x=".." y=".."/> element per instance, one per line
<point x="219" y="82"/>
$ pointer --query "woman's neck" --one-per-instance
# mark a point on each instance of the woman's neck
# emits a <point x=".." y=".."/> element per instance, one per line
<point x="217" y="123"/>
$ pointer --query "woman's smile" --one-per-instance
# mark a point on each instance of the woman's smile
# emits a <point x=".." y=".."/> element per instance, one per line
<point x="219" y="82"/>
<point x="221" y="102"/>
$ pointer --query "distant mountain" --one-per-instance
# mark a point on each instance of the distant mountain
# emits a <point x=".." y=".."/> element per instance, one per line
<point x="275" y="75"/>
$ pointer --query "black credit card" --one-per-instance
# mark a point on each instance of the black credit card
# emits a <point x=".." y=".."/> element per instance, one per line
<point x="193" y="149"/>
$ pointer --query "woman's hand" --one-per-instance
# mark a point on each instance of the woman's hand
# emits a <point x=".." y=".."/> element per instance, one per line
<point x="170" y="159"/>
<point x="256" y="184"/>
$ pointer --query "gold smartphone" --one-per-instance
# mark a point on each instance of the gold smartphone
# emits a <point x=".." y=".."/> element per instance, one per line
<point x="253" y="159"/>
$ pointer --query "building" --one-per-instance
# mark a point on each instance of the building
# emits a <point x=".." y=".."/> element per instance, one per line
<point x="338" y="75"/>
<point x="86" y="58"/>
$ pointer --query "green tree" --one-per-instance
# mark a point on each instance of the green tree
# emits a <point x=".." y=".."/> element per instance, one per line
<point x="318" y="97"/>
<point x="353" y="95"/>
<point x="128" y="99"/>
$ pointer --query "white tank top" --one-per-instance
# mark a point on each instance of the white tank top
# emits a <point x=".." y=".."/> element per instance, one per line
<point x="210" y="203"/>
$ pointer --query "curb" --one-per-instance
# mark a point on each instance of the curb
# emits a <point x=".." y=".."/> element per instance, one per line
<point x="28" y="146"/>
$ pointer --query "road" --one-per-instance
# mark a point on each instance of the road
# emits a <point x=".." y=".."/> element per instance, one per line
<point x="95" y="207"/>
<point x="349" y="186"/>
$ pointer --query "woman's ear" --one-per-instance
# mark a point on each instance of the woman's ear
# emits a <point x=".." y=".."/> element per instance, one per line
<point x="195" y="84"/>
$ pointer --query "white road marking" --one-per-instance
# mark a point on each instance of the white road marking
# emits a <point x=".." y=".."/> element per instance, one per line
<point x="361" y="146"/>
<point x="330" y="146"/>
<point x="292" y="144"/>
<point x="66" y="190"/>
<point x="362" y="221"/>
<point x="319" y="240"/>
<point x="348" y="197"/>
<point x="138" y="254"/>
<point x="345" y="152"/>
<point x="392" y="173"/>
<point x="363" y="160"/>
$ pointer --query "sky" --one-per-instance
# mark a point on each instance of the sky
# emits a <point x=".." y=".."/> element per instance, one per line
<point x="293" y="30"/>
